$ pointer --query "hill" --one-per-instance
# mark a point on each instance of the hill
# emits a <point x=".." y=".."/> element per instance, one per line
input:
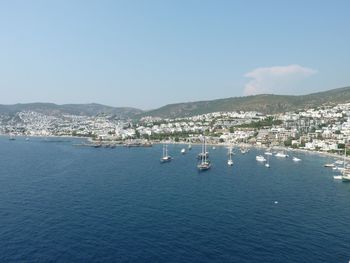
<point x="265" y="103"/>
<point x="74" y="109"/>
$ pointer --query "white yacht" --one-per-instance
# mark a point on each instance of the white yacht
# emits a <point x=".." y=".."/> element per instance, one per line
<point x="345" y="177"/>
<point x="260" y="158"/>
<point x="166" y="157"/>
<point x="295" y="159"/>
<point x="281" y="155"/>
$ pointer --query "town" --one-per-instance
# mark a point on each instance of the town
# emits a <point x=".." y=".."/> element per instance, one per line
<point x="325" y="129"/>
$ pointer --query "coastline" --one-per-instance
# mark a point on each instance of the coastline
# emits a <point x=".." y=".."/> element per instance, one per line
<point x="278" y="148"/>
<point x="261" y="147"/>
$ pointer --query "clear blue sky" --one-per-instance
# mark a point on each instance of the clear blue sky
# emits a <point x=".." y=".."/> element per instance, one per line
<point x="147" y="54"/>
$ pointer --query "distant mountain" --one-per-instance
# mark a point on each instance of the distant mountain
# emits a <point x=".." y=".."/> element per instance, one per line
<point x="74" y="109"/>
<point x="265" y="103"/>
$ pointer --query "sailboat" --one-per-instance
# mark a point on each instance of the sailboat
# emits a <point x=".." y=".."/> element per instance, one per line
<point x="281" y="154"/>
<point x="244" y="150"/>
<point x="230" y="153"/>
<point x="189" y="147"/>
<point x="268" y="152"/>
<point x="204" y="163"/>
<point x="267" y="164"/>
<point x="166" y="157"/>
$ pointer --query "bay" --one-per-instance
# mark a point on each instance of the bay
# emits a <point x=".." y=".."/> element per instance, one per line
<point x="63" y="203"/>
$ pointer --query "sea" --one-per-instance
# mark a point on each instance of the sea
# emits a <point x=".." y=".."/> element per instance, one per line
<point x="63" y="203"/>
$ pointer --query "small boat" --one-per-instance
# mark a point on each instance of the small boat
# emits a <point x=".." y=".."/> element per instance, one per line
<point x="189" y="147"/>
<point x="166" y="157"/>
<point x="268" y="153"/>
<point x="339" y="162"/>
<point x="213" y="147"/>
<point x="281" y="155"/>
<point x="267" y="165"/>
<point x="260" y="158"/>
<point x="295" y="159"/>
<point x="183" y="150"/>
<point x="329" y="165"/>
<point x="27" y="139"/>
<point x="337" y="177"/>
<point x="345" y="177"/>
<point x="12" y="138"/>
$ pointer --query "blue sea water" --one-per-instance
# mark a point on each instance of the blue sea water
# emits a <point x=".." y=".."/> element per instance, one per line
<point x="60" y="203"/>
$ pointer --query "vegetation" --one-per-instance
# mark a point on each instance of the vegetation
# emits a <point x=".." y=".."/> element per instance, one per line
<point x="265" y="103"/>
<point x="268" y="122"/>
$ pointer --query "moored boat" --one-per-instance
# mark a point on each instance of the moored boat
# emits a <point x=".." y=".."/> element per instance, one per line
<point x="166" y="157"/>
<point x="205" y="162"/>
<point x="260" y="158"/>
<point x="281" y="155"/>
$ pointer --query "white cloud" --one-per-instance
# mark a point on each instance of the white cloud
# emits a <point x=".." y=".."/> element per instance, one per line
<point x="275" y="79"/>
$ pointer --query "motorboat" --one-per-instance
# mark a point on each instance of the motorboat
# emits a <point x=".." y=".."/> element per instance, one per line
<point x="281" y="155"/>
<point x="260" y="158"/>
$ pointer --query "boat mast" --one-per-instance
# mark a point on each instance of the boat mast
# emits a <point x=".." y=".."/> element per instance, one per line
<point x="205" y="151"/>
<point x="344" y="156"/>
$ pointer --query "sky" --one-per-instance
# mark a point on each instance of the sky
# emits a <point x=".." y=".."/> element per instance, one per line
<point x="149" y="53"/>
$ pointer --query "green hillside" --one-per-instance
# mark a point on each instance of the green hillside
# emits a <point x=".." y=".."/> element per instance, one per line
<point x="265" y="103"/>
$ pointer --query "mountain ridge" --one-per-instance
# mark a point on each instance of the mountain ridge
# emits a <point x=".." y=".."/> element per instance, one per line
<point x="88" y="109"/>
<point x="264" y="103"/>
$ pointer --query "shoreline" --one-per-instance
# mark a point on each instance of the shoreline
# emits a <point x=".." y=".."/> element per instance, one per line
<point x="239" y="145"/>
<point x="261" y="147"/>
